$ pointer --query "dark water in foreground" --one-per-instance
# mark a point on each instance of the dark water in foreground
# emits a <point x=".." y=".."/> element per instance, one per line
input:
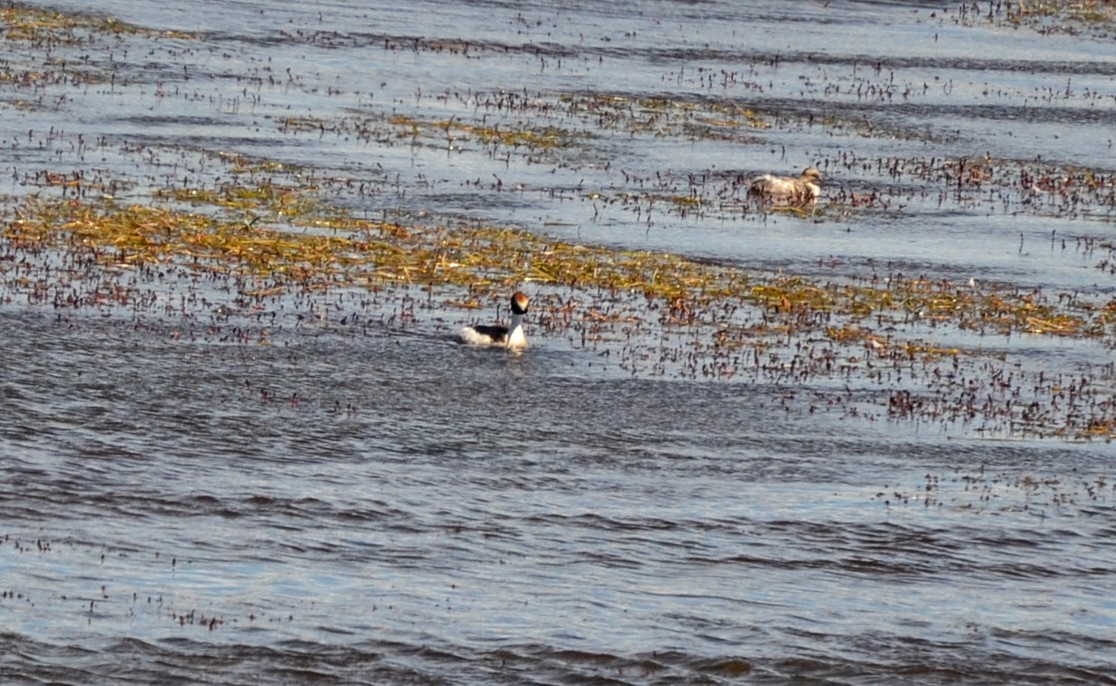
<point x="369" y="504"/>
<point x="191" y="522"/>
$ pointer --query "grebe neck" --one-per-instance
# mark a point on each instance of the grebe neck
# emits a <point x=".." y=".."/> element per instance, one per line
<point x="516" y="337"/>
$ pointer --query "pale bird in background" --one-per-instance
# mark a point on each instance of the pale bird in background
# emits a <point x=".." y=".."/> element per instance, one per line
<point x="787" y="190"/>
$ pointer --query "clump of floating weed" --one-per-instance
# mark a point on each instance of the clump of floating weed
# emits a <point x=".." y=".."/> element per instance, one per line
<point x="275" y="199"/>
<point x="665" y="116"/>
<point x="996" y="311"/>
<point x="136" y="235"/>
<point x="282" y="230"/>
<point x="39" y="26"/>
<point x="1042" y="188"/>
<point x="442" y="132"/>
<point x="803" y="305"/>
<point x="351" y="252"/>
<point x="476" y="256"/>
<point x="1075" y="10"/>
<point x="1052" y="16"/>
<point x="540" y="139"/>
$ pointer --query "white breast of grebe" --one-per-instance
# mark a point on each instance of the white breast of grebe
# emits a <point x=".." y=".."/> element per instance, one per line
<point x="495" y="335"/>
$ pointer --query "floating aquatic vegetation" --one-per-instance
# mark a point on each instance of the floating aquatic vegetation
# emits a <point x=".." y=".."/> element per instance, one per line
<point x="1062" y="16"/>
<point x="443" y="133"/>
<point x="666" y="116"/>
<point x="542" y="139"/>
<point x="1093" y="17"/>
<point x="1003" y="186"/>
<point x="274" y="234"/>
<point x="39" y="26"/>
<point x="548" y="130"/>
<point x="39" y="32"/>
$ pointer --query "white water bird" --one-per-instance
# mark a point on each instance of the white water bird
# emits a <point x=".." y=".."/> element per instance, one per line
<point x="510" y="336"/>
<point x="787" y="190"/>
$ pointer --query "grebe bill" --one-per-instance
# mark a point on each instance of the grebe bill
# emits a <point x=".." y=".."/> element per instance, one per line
<point x="494" y="335"/>
<point x="786" y="190"/>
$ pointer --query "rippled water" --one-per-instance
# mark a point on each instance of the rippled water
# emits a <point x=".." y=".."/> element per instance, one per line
<point x="361" y="502"/>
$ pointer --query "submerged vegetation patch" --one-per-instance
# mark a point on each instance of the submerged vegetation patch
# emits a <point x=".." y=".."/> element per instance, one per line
<point x="1095" y="18"/>
<point x="1063" y="16"/>
<point x="272" y="234"/>
<point x="441" y="133"/>
<point x="541" y="125"/>
<point x="43" y="34"/>
<point x="269" y="229"/>
<point x="254" y="236"/>
<point x="573" y="130"/>
<point x="47" y="27"/>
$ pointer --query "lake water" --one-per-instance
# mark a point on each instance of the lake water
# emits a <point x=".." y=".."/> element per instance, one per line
<point x="344" y="495"/>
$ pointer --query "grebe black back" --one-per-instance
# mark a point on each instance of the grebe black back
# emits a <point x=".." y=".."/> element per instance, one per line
<point x="495" y="335"/>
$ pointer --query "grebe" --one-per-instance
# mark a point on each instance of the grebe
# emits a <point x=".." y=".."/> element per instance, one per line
<point x="785" y="190"/>
<point x="500" y="336"/>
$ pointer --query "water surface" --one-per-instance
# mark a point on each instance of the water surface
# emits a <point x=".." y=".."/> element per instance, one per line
<point x="354" y="498"/>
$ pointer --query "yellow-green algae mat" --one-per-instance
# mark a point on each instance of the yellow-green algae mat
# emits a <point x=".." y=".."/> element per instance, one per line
<point x="282" y="237"/>
<point x="34" y="25"/>
<point x="271" y="238"/>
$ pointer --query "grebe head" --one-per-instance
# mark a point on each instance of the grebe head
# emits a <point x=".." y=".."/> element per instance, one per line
<point x="811" y="174"/>
<point x="519" y="303"/>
